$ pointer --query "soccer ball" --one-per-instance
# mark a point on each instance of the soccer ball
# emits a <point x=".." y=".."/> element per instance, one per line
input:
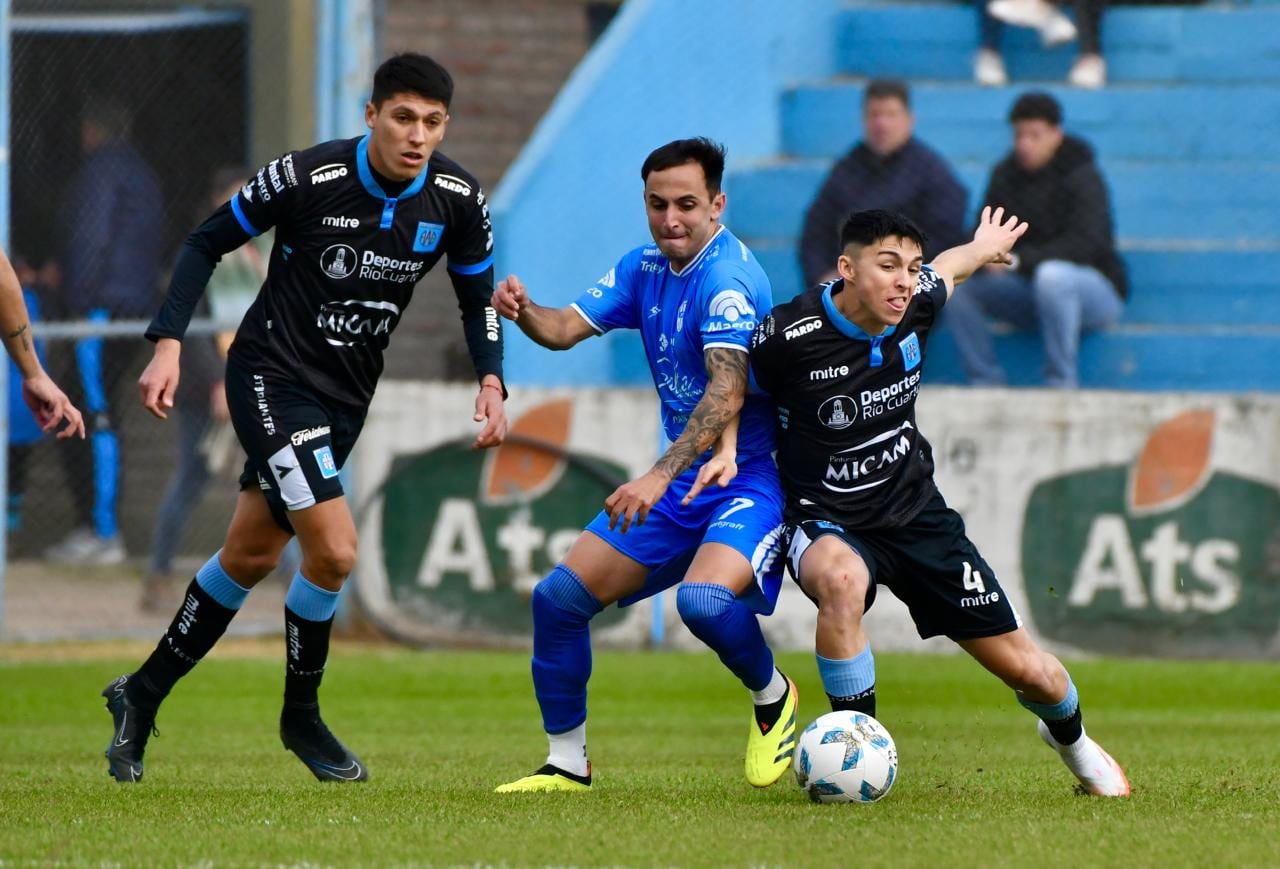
<point x="846" y="757"/>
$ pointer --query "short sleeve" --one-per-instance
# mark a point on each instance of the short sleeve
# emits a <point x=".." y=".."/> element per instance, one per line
<point x="931" y="293"/>
<point x="610" y="303"/>
<point x="266" y="200"/>
<point x="764" y="373"/>
<point x="470" y="245"/>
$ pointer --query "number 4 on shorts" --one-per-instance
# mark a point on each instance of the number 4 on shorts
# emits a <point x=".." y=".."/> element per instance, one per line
<point x="973" y="579"/>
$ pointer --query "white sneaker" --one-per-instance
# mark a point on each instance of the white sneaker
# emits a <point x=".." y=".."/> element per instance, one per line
<point x="1098" y="773"/>
<point x="1055" y="28"/>
<point x="83" y="547"/>
<point x="988" y="69"/>
<point x="1089" y="71"/>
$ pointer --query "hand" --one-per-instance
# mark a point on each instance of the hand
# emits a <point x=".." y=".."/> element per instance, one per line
<point x="634" y="500"/>
<point x="509" y="297"/>
<point x="719" y="470"/>
<point x="218" y="402"/>
<point x="159" y="381"/>
<point x="490" y="410"/>
<point x="50" y="406"/>
<point x="998" y="235"/>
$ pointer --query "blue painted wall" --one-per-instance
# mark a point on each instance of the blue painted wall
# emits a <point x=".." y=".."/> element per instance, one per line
<point x="572" y="204"/>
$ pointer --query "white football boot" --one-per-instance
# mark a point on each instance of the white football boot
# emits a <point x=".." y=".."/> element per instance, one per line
<point x="1099" y="775"/>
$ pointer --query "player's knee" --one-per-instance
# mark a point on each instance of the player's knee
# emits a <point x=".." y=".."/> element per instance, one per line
<point x="841" y="589"/>
<point x="562" y="592"/>
<point x="331" y="561"/>
<point x="701" y="600"/>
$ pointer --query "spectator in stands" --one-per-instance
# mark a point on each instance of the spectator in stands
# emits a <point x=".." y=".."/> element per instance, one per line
<point x="206" y="441"/>
<point x="889" y="169"/>
<point x="1089" y="69"/>
<point x="1066" y="278"/>
<point x="113" y="220"/>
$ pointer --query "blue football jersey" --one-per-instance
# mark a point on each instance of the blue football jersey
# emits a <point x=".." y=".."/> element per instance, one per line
<point x="714" y="301"/>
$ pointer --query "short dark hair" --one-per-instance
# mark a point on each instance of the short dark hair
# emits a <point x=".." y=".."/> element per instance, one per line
<point x="867" y="227"/>
<point x="703" y="151"/>
<point x="1036" y="106"/>
<point x="411" y="73"/>
<point x="887" y="88"/>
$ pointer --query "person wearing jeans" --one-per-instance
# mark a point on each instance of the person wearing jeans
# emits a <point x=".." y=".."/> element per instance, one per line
<point x="1067" y="278"/>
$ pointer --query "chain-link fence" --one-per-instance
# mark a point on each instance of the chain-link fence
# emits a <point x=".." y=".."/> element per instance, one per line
<point x="125" y="131"/>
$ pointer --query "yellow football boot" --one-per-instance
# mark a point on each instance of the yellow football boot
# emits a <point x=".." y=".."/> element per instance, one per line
<point x="771" y="744"/>
<point x="546" y="780"/>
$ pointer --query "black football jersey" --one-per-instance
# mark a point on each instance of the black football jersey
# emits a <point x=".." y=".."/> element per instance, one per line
<point x="346" y="258"/>
<point x="849" y="450"/>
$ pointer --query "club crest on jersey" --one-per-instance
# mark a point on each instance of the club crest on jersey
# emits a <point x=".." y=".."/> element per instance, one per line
<point x="324" y="458"/>
<point x="338" y="261"/>
<point x="910" y="347"/>
<point x="427" y="238"/>
<point x="838" y="412"/>
<point x="732" y="306"/>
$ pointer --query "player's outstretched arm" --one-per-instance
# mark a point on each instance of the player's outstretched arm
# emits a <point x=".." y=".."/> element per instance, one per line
<point x="48" y="403"/>
<point x="553" y="328"/>
<point x="992" y="242"/>
<point x="726" y="390"/>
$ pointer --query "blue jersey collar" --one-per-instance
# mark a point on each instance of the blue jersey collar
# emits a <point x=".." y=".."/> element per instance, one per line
<point x="843" y="324"/>
<point x="698" y="258"/>
<point x="365" y="171"/>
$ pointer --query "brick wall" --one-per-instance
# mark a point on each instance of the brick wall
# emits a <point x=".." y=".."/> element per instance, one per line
<point x="508" y="59"/>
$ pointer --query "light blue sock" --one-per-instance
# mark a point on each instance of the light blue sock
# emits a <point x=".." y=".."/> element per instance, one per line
<point x="1064" y="708"/>
<point x="848" y="677"/>
<point x="309" y="601"/>
<point x="215" y="582"/>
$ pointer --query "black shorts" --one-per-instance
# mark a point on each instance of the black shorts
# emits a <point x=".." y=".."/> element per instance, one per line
<point x="296" y="441"/>
<point x="930" y="565"/>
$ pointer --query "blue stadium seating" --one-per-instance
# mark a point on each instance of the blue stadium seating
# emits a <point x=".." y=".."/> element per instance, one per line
<point x="1186" y="133"/>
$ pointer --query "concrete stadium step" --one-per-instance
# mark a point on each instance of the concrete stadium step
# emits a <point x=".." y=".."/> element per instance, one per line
<point x="1217" y="44"/>
<point x="1222" y="201"/>
<point x="1213" y="287"/>
<point x="1126" y="122"/>
<point x="1185" y="359"/>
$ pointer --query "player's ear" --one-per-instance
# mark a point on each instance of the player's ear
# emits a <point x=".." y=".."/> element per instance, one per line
<point x="370" y="113"/>
<point x="717" y="205"/>
<point x="845" y="264"/>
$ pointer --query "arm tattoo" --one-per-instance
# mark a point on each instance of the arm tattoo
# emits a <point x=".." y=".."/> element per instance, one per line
<point x="22" y="332"/>
<point x="726" y="387"/>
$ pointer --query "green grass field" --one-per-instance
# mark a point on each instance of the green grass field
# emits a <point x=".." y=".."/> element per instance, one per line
<point x="1200" y="742"/>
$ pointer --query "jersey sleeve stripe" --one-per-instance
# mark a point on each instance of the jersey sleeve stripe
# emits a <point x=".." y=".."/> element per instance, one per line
<point x="583" y="315"/>
<point x="723" y="344"/>
<point x="240" y="217"/>
<point x="473" y="269"/>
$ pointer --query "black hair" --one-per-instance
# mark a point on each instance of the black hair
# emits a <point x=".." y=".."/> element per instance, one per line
<point x="411" y="73"/>
<point x="1036" y="106"/>
<point x="867" y="227"/>
<point x="887" y="88"/>
<point x="703" y="151"/>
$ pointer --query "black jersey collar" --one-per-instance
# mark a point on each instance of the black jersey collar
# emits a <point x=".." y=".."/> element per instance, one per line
<point x="365" y="171"/>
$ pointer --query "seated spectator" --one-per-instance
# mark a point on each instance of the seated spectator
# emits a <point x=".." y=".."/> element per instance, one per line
<point x="1067" y="278"/>
<point x="1089" y="69"/>
<point x="889" y="169"/>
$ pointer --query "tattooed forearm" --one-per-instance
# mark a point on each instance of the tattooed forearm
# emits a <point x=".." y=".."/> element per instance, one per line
<point x="24" y="334"/>
<point x="726" y="388"/>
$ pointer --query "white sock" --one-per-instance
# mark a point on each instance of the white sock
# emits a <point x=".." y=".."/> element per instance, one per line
<point x="569" y="750"/>
<point x="772" y="692"/>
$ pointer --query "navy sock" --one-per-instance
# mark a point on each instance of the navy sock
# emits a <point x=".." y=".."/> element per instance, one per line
<point x="210" y="603"/>
<point x="850" y="683"/>
<point x="714" y="615"/>
<point x="562" y="611"/>
<point x="308" y="621"/>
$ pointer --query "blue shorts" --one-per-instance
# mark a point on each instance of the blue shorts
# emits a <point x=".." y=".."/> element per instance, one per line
<point x="746" y="515"/>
